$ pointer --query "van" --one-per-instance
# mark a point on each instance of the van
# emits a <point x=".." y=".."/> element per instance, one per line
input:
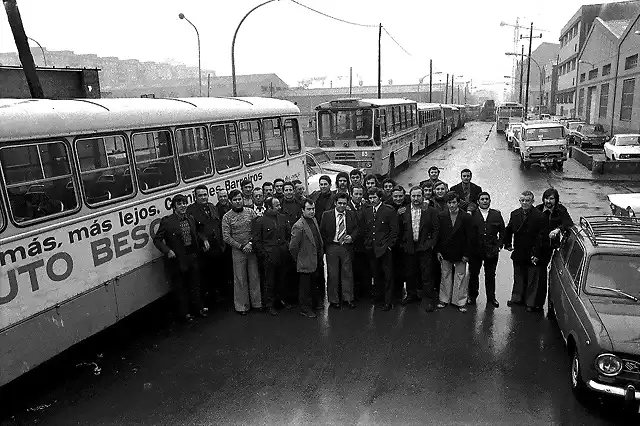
<point x="542" y="143"/>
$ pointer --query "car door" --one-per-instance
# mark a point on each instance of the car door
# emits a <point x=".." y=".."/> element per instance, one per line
<point x="558" y="277"/>
<point x="572" y="310"/>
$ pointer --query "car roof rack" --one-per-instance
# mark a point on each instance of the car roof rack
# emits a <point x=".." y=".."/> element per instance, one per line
<point x="612" y="230"/>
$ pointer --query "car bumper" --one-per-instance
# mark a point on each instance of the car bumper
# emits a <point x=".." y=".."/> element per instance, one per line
<point x="629" y="393"/>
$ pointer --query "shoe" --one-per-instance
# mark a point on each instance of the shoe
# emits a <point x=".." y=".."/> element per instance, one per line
<point x="334" y="305"/>
<point x="441" y="305"/>
<point x="514" y="303"/>
<point x="428" y="307"/>
<point x="204" y="312"/>
<point x="471" y="301"/>
<point x="349" y="305"/>
<point x="408" y="299"/>
<point x="188" y="318"/>
<point x="495" y="303"/>
<point x="271" y="311"/>
<point x="242" y="313"/>
<point x="462" y="309"/>
<point x="319" y="307"/>
<point x="387" y="307"/>
<point x="308" y="314"/>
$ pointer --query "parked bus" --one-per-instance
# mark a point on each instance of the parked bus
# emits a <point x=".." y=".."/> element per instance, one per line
<point x="449" y="122"/>
<point x="473" y="111"/>
<point x="430" y="122"/>
<point x="488" y="111"/>
<point x="374" y="135"/>
<point x="83" y="186"/>
<point x="508" y="111"/>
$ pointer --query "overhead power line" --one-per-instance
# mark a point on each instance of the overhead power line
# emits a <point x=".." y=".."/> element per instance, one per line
<point x="333" y="17"/>
<point x="394" y="40"/>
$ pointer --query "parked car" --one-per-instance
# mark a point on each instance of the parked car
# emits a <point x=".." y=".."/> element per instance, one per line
<point x="590" y="134"/>
<point x="318" y="164"/>
<point x="571" y="127"/>
<point x="623" y="147"/>
<point x="625" y="205"/>
<point x="510" y="134"/>
<point x="542" y="143"/>
<point x="594" y="292"/>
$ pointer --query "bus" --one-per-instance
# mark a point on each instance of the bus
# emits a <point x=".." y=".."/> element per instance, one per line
<point x="448" y="119"/>
<point x="473" y="111"/>
<point x="373" y="135"/>
<point x="430" y="122"/>
<point x="84" y="184"/>
<point x="508" y="111"/>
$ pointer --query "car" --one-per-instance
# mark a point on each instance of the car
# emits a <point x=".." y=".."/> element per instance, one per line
<point x="594" y="292"/>
<point x="318" y="164"/>
<point x="542" y="142"/>
<point x="625" y="205"/>
<point x="623" y="147"/>
<point x="571" y="127"/>
<point x="590" y="134"/>
<point x="510" y="134"/>
<point x="545" y="116"/>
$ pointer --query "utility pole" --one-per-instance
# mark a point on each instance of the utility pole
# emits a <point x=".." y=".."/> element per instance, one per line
<point x="531" y="37"/>
<point x="350" y="80"/>
<point x="446" y="90"/>
<point x="458" y="94"/>
<point x="521" y="71"/>
<point x="22" y="43"/>
<point x="452" y="77"/>
<point x="208" y="85"/>
<point x="430" y="79"/>
<point x="379" y="61"/>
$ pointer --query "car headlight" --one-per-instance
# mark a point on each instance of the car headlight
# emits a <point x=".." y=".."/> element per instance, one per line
<point x="608" y="364"/>
<point x="529" y="149"/>
<point x="624" y="155"/>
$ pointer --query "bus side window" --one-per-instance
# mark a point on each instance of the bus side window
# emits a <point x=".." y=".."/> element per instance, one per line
<point x="2" y="221"/>
<point x="226" y="149"/>
<point x="194" y="154"/>
<point x="104" y="168"/>
<point x="292" y="135"/>
<point x="155" y="162"/>
<point x="273" y="138"/>
<point x="383" y="121"/>
<point x="402" y="118"/>
<point x="413" y="115"/>
<point x="39" y="181"/>
<point x="252" y="144"/>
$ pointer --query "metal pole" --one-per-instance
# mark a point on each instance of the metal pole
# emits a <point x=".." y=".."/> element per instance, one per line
<point x="430" y="79"/>
<point x="233" y="47"/>
<point x="22" y="44"/>
<point x="458" y="94"/>
<point x="350" y="80"/>
<point x="452" y="78"/>
<point x="44" y="57"/>
<point x="181" y="16"/>
<point x="526" y="102"/>
<point x="379" y="61"/>
<point x="446" y="90"/>
<point x="521" y="73"/>
<point x="208" y="85"/>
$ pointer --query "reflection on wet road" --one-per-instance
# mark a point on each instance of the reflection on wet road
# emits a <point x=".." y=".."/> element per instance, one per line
<point x="486" y="367"/>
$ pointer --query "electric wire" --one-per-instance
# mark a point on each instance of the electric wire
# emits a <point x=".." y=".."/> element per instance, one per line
<point x="394" y="40"/>
<point x="333" y="17"/>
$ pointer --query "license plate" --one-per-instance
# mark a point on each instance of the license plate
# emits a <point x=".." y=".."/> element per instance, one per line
<point x="547" y="160"/>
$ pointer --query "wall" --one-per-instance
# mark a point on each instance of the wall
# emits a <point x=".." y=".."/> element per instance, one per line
<point x="56" y="83"/>
<point x="629" y="46"/>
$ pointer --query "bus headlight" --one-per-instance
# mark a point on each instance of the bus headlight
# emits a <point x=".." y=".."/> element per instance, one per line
<point x="365" y="153"/>
<point x="608" y="364"/>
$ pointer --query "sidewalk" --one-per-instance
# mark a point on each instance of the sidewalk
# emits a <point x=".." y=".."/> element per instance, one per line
<point x="577" y="172"/>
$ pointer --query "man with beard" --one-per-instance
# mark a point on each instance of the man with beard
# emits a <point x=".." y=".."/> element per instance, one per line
<point x="525" y="229"/>
<point x="208" y="225"/>
<point x="487" y="233"/>
<point x="247" y="192"/>
<point x="258" y="201"/>
<point x="556" y="222"/>
<point x="467" y="191"/>
<point x="178" y="241"/>
<point x="236" y="231"/>
<point x="342" y="183"/>
<point x="278" y="186"/>
<point x="271" y="234"/>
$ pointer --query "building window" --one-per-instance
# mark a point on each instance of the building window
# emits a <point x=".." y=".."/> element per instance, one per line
<point x="631" y="62"/>
<point x="582" y="77"/>
<point x="604" y="100"/>
<point x="580" y="101"/>
<point x="593" y="74"/>
<point x="573" y="65"/>
<point x="626" y="107"/>
<point x="606" y="70"/>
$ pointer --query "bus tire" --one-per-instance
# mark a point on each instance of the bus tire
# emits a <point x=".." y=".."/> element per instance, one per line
<point x="437" y="136"/>
<point x="410" y="152"/>
<point x="392" y="165"/>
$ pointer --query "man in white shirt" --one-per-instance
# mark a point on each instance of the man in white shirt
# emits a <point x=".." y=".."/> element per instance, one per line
<point x="258" y="201"/>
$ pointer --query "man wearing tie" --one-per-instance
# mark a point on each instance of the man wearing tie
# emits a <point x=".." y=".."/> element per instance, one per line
<point x="339" y="229"/>
<point x="380" y="227"/>
<point x="419" y="228"/>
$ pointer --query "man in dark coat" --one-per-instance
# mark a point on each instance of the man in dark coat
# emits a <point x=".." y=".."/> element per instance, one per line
<point x="361" y="271"/>
<point x="525" y="229"/>
<point x="400" y="201"/>
<point x="226" y="270"/>
<point x="324" y="198"/>
<point x="289" y="205"/>
<point x="208" y="225"/>
<point x="270" y="236"/>
<point x="467" y="191"/>
<point x="418" y="229"/>
<point x="487" y="233"/>
<point x="179" y="241"/>
<point x="380" y="229"/>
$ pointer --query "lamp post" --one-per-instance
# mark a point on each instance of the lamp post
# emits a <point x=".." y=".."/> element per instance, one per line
<point x="233" y="46"/>
<point x="181" y="16"/>
<point x="44" y="57"/>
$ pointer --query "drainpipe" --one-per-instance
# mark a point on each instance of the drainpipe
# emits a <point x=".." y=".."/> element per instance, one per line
<point x="615" y="81"/>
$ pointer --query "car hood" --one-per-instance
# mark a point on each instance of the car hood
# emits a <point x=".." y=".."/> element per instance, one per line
<point x="335" y="167"/>
<point x="622" y="323"/>
<point x="633" y="149"/>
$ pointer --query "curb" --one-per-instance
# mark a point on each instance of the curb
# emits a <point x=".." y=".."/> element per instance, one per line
<point x="579" y="179"/>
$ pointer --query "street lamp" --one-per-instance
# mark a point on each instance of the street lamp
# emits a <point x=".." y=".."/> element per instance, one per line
<point x="233" y="46"/>
<point x="181" y="16"/>
<point x="44" y="57"/>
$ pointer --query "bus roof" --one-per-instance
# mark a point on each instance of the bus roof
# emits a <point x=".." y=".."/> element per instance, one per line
<point x="431" y="106"/>
<point x="539" y="124"/>
<point x="510" y="105"/>
<point x="363" y="103"/>
<point x="40" y="118"/>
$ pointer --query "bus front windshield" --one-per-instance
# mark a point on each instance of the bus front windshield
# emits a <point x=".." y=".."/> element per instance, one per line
<point x="507" y="112"/>
<point x="346" y="124"/>
<point x="545" y="133"/>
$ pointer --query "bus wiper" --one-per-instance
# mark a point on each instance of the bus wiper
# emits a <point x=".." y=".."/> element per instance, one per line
<point x="615" y="290"/>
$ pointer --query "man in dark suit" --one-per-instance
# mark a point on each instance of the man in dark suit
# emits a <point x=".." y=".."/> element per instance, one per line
<point x="226" y="270"/>
<point x="467" y="191"/>
<point x="179" y="241"/>
<point x="453" y="253"/>
<point x="380" y="228"/>
<point x="306" y="249"/>
<point x="339" y="230"/>
<point x="400" y="201"/>
<point x="361" y="272"/>
<point x="270" y="236"/>
<point x="208" y="225"/>
<point x="525" y="229"/>
<point x="419" y="227"/>
<point x="487" y="233"/>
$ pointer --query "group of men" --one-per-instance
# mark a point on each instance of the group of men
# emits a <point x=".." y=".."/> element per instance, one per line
<point x="267" y="247"/>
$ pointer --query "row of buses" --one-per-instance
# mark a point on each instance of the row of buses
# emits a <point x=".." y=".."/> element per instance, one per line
<point x="378" y="135"/>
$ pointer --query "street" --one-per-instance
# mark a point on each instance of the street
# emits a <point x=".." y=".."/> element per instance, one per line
<point x="486" y="367"/>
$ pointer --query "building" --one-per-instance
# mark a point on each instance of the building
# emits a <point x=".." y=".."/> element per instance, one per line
<point x="572" y="38"/>
<point x="543" y="54"/>
<point x="609" y="76"/>
<point x="57" y="83"/>
<point x="550" y="86"/>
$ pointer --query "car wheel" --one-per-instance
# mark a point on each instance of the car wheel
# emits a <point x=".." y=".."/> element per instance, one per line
<point x="527" y="165"/>
<point x="560" y="166"/>
<point x="613" y="157"/>
<point x="578" y="386"/>
<point x="551" y="311"/>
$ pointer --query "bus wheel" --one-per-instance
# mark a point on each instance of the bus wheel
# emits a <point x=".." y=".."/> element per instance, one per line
<point x="437" y="136"/>
<point x="410" y="152"/>
<point x="392" y="165"/>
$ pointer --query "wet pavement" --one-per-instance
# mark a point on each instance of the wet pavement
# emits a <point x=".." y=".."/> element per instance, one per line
<point x="486" y="367"/>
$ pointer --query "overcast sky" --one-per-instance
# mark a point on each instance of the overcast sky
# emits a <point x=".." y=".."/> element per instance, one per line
<point x="463" y="37"/>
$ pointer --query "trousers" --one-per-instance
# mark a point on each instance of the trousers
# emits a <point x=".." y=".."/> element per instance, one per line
<point x="246" y="281"/>
<point x="525" y="284"/>
<point x="339" y="272"/>
<point x="490" y="265"/>
<point x="453" y="286"/>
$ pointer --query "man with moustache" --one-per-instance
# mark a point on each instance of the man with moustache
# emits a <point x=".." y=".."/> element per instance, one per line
<point x="339" y="230"/>
<point x="267" y="189"/>
<point x="209" y="225"/>
<point x="270" y="236"/>
<point x="324" y="198"/>
<point x="178" y="240"/>
<point x="399" y="201"/>
<point x="342" y="183"/>
<point x="523" y="237"/>
<point x="487" y="233"/>
<point x="419" y="228"/>
<point x="434" y="175"/>
<point x="370" y="181"/>
<point x="467" y="191"/>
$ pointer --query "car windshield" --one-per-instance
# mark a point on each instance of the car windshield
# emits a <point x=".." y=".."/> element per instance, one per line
<point x="544" y="133"/>
<point x="321" y="157"/>
<point x="628" y="140"/>
<point x="346" y="124"/>
<point x="618" y="272"/>
<point x="592" y="128"/>
<point x="573" y="126"/>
